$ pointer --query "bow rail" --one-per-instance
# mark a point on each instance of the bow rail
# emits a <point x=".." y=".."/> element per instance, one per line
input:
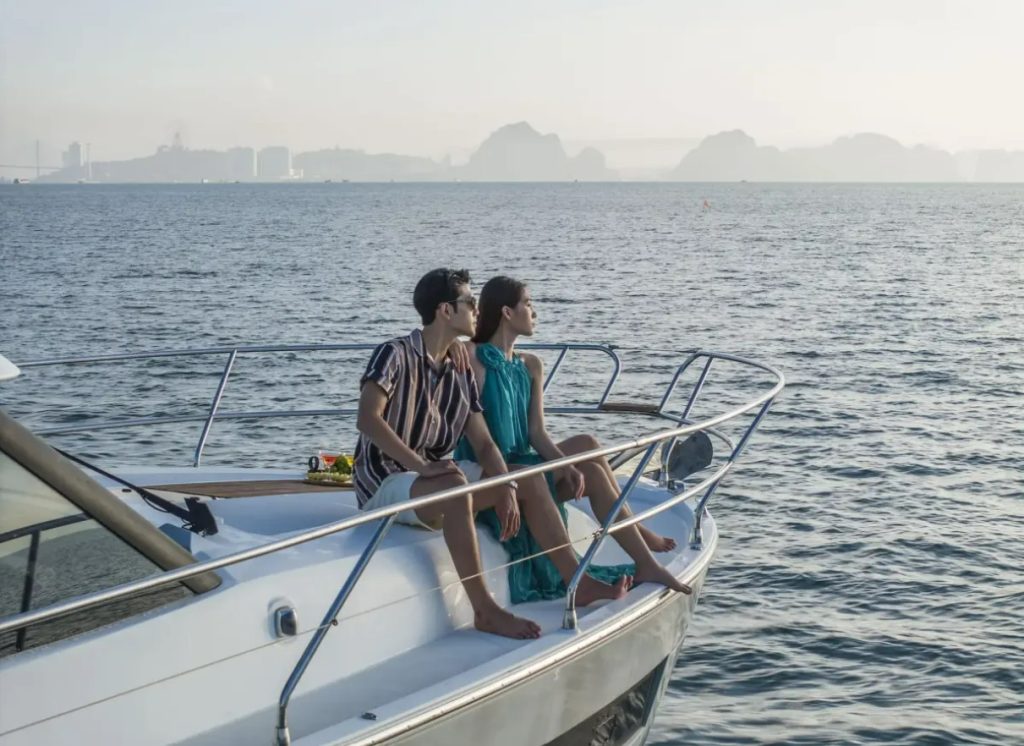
<point x="232" y="354"/>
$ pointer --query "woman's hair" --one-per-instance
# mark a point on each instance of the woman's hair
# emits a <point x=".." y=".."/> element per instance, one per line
<point x="497" y="293"/>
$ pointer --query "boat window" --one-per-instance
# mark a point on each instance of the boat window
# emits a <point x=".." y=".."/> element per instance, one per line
<point x="50" y="551"/>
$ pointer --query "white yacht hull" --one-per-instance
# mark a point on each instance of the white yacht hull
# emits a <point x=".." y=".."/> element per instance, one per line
<point x="404" y="666"/>
<point x="560" y="700"/>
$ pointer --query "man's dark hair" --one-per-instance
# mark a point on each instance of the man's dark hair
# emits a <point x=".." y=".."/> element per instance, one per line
<point x="436" y="287"/>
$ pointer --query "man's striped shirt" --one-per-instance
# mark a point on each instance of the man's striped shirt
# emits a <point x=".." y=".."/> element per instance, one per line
<point x="428" y="406"/>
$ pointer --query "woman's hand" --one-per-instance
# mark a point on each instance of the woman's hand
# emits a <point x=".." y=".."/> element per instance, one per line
<point x="574" y="481"/>
<point x="507" y="509"/>
<point x="459" y="355"/>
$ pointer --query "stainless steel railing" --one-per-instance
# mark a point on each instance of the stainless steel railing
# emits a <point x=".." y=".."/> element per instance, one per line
<point x="648" y="444"/>
<point x="232" y="354"/>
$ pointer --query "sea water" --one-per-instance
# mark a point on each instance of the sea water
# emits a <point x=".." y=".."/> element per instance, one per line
<point x="868" y="584"/>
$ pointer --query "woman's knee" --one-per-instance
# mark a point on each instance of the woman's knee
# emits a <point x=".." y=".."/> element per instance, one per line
<point x="582" y="442"/>
<point x="532" y="488"/>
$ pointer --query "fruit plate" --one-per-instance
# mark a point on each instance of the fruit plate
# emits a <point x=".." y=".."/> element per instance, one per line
<point x="328" y="479"/>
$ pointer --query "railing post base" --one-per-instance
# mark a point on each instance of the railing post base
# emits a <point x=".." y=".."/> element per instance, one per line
<point x="569" y="619"/>
<point x="330" y="620"/>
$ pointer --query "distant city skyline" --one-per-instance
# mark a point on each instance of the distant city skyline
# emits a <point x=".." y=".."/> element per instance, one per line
<point x="630" y="158"/>
<point x="433" y="80"/>
<point x="627" y="152"/>
<point x="518" y="152"/>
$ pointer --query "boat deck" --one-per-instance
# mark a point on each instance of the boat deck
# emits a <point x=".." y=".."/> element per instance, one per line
<point x="411" y="565"/>
<point x="411" y="577"/>
<point x="404" y="639"/>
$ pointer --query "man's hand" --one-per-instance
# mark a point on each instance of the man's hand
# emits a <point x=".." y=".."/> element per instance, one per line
<point x="574" y="482"/>
<point x="430" y="469"/>
<point x="459" y="355"/>
<point x="507" y="509"/>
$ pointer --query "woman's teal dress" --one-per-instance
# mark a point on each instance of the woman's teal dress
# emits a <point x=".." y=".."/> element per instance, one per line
<point x="506" y="400"/>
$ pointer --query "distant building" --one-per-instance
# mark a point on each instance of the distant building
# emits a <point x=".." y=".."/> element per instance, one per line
<point x="274" y="163"/>
<point x="241" y="164"/>
<point x="73" y="156"/>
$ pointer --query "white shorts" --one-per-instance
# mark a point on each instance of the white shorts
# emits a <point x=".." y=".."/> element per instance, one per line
<point x="396" y="488"/>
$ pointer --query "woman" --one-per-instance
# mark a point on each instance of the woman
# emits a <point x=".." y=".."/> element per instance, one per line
<point x="512" y="392"/>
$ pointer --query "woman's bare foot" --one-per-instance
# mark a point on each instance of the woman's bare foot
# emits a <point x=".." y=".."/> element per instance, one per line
<point x="590" y="590"/>
<point x="656" y="542"/>
<point x="655" y="573"/>
<point x="497" y="621"/>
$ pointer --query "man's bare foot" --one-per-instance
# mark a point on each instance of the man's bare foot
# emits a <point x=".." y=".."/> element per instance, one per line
<point x="590" y="590"/>
<point x="655" y="573"/>
<point x="656" y="542"/>
<point x="497" y="621"/>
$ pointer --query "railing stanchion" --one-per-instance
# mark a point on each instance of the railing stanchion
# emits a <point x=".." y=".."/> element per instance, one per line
<point x="617" y="367"/>
<point x="675" y="378"/>
<point x="569" y="619"/>
<point x="330" y="619"/>
<point x="698" y="513"/>
<point x="214" y="405"/>
<point x="26" y="593"/>
<point x="694" y="393"/>
<point x="555" y="367"/>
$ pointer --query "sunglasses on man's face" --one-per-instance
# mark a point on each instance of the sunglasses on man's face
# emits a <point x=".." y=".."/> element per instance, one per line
<point x="469" y="300"/>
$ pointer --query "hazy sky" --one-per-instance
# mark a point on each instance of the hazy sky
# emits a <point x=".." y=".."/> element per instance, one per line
<point x="432" y="77"/>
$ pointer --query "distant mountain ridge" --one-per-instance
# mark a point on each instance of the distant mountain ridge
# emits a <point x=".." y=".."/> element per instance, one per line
<point x="865" y="157"/>
<point x="518" y="152"/>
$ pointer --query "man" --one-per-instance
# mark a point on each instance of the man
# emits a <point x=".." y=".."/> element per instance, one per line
<point x="414" y="405"/>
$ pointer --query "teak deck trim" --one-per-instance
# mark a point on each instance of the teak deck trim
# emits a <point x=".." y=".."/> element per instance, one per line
<point x="248" y="488"/>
